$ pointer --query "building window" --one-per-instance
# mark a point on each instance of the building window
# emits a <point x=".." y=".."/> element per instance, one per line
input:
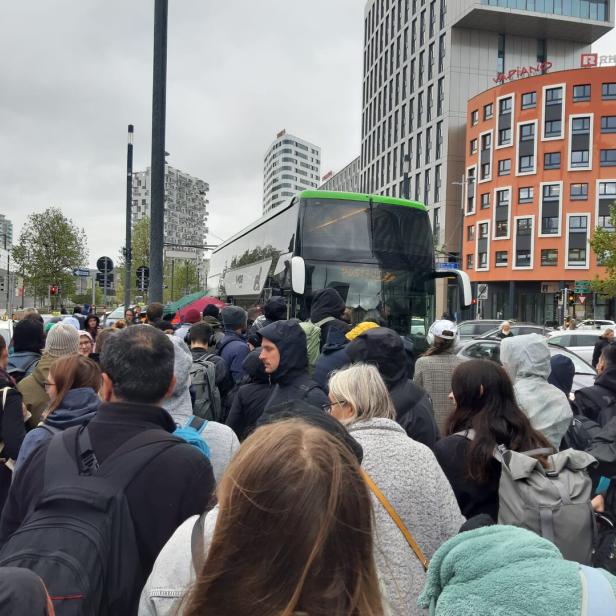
<point x="581" y="93"/>
<point x="504" y="136"/>
<point x="608" y="91"/>
<point x="504" y="167"/>
<point x="525" y="194"/>
<point x="608" y="124"/>
<point x="470" y="190"/>
<point x="579" y="158"/>
<point x="551" y="160"/>
<point x="524" y="228"/>
<point x="474" y="117"/>
<point x="608" y="158"/>
<point x="577" y="257"/>
<point x="439" y="139"/>
<point x="549" y="257"/>
<point x="500" y="59"/>
<point x="470" y="232"/>
<point x="469" y="262"/>
<point x="486" y="141"/>
<point x="483" y="230"/>
<point x="483" y="260"/>
<point x="553" y="96"/>
<point x="578" y="192"/>
<point x="485" y="170"/>
<point x="488" y="111"/>
<point x="473" y="148"/>
<point x="580" y="125"/>
<point x="501" y="258"/>
<point x="504" y="105"/>
<point x="553" y="128"/>
<point x="607" y="196"/>
<point x="485" y="201"/>
<point x="527" y="132"/>
<point x="529" y="100"/>
<point x="550" y="210"/>
<point x="527" y="163"/>
<point x="577" y="249"/>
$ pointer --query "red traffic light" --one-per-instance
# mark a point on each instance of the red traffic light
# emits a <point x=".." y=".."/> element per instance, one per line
<point x="474" y="301"/>
<point x="53" y="290"/>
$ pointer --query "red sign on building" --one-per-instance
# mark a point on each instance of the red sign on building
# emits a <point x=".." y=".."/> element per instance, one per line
<point x="523" y="71"/>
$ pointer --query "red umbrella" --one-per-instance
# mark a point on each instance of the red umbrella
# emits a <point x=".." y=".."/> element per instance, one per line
<point x="198" y="304"/>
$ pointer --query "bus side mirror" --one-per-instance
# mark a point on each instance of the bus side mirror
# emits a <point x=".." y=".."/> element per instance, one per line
<point x="298" y="275"/>
<point x="464" y="284"/>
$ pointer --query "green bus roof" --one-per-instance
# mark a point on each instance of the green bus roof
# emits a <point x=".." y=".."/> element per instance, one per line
<point x="330" y="194"/>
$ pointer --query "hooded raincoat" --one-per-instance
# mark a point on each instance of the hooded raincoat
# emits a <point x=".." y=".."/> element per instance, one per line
<point x="327" y="303"/>
<point x="220" y="439"/>
<point x="291" y="378"/>
<point x="527" y="361"/>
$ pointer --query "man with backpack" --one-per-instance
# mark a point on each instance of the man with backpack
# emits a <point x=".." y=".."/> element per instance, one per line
<point x="113" y="491"/>
<point x="233" y="348"/>
<point x="207" y="365"/>
<point x="28" y="344"/>
<point x="283" y="353"/>
<point x="326" y="313"/>
<point x="598" y="402"/>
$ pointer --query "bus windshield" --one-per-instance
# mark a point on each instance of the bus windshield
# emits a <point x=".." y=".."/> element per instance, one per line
<point x="402" y="299"/>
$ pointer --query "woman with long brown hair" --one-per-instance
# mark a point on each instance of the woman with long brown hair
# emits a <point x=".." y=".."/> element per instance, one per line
<point x="72" y="386"/>
<point x="292" y="535"/>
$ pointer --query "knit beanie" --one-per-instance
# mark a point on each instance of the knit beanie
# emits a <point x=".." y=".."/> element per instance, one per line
<point x="28" y="336"/>
<point x="192" y="316"/>
<point x="211" y="310"/>
<point x="360" y="329"/>
<point x="72" y="321"/>
<point x="234" y="317"/>
<point x="62" y="340"/>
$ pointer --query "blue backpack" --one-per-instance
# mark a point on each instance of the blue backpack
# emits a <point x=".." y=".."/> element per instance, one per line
<point x="191" y="433"/>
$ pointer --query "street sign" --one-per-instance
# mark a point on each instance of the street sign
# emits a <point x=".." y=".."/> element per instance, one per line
<point x="482" y="291"/>
<point x="582" y="298"/>
<point x="582" y="286"/>
<point x="446" y="265"/>
<point x="81" y="272"/>
<point x="104" y="264"/>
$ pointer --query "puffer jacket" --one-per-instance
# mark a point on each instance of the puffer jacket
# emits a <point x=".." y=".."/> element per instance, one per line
<point x="384" y="348"/>
<point x="77" y="408"/>
<point x="328" y="303"/>
<point x="32" y="388"/>
<point x="291" y="379"/>
<point x="527" y="361"/>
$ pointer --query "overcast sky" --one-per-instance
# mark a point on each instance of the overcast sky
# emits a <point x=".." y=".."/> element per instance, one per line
<point x="75" y="73"/>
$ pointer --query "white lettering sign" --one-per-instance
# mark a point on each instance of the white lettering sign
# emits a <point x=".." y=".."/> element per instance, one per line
<point x="247" y="280"/>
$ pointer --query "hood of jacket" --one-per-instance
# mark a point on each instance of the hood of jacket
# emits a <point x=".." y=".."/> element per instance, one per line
<point x="254" y="367"/>
<point x="179" y="404"/>
<point x="480" y="572"/>
<point x="526" y="356"/>
<point x="290" y="340"/>
<point x="562" y="374"/>
<point x="326" y="303"/>
<point x="77" y="406"/>
<point x="336" y="340"/>
<point x="384" y="348"/>
<point x="275" y="309"/>
<point x="22" y="360"/>
<point x="39" y="374"/>
<point x="212" y="321"/>
<point x="607" y="379"/>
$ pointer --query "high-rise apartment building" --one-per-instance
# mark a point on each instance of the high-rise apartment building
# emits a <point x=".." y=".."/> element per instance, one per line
<point x="290" y="165"/>
<point x="423" y="61"/>
<point x="6" y="233"/>
<point x="345" y="180"/>
<point x="186" y="211"/>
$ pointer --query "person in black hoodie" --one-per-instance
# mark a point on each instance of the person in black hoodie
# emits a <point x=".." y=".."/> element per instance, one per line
<point x="326" y="310"/>
<point x="384" y="348"/>
<point x="275" y="309"/>
<point x="598" y="402"/>
<point x="28" y="344"/>
<point x="284" y="355"/>
<point x="250" y="398"/>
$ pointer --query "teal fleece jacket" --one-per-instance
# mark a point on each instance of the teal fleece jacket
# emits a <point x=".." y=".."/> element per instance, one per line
<point x="502" y="571"/>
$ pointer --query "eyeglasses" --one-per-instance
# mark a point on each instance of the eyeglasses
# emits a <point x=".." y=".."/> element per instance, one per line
<point x="47" y="385"/>
<point x="328" y="407"/>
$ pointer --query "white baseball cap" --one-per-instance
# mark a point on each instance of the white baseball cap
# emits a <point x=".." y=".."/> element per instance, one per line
<point x="444" y="329"/>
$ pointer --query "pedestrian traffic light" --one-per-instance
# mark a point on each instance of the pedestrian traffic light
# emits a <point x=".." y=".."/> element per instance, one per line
<point x="571" y="299"/>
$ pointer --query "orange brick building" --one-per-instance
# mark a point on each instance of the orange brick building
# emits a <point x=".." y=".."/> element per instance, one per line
<point x="540" y="176"/>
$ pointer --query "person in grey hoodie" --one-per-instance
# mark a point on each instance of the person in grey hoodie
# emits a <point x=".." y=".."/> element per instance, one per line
<point x="220" y="439"/>
<point x="72" y="385"/>
<point x="409" y="476"/>
<point x="527" y="361"/>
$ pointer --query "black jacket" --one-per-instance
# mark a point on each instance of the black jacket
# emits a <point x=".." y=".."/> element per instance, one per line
<point x="332" y="357"/>
<point x="384" y="348"/>
<point x="328" y="303"/>
<point x="175" y="485"/>
<point x="291" y="378"/>
<point x="473" y="497"/>
<point x="599" y="346"/>
<point x="250" y="398"/>
<point x="598" y="402"/>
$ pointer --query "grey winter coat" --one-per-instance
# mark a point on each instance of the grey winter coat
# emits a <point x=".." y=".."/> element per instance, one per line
<point x="527" y="361"/>
<point x="412" y="481"/>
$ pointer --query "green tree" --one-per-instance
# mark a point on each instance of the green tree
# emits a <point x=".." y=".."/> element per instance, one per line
<point x="603" y="243"/>
<point x="50" y="246"/>
<point x="140" y="256"/>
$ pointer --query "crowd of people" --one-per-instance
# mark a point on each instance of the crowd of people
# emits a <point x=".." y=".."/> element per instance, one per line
<point x="248" y="463"/>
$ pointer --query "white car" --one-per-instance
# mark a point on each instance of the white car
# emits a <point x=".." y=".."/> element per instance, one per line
<point x="596" y="324"/>
<point x="580" y="341"/>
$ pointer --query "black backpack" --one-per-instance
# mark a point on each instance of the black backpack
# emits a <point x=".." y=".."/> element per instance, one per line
<point x="79" y="537"/>
<point x="580" y="433"/>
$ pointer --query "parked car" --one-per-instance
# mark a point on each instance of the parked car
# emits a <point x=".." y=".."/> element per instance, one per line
<point x="113" y="316"/>
<point x="467" y="330"/>
<point x="580" y="341"/>
<point x="596" y="324"/>
<point x="6" y="330"/>
<point x="519" y="329"/>
<point x="484" y="348"/>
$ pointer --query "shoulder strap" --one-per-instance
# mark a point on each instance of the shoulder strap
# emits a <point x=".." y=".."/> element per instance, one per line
<point x="196" y="423"/>
<point x="5" y="393"/>
<point x="197" y="544"/>
<point x="325" y="320"/>
<point x="597" y="594"/>
<point x="396" y="518"/>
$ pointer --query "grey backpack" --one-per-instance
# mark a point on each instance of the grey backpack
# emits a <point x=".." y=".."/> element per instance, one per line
<point x="553" y="502"/>
<point x="207" y="403"/>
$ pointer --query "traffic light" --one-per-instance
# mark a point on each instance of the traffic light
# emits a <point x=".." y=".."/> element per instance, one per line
<point x="571" y="299"/>
<point x="54" y="289"/>
<point x="556" y="299"/>
<point x="474" y="301"/>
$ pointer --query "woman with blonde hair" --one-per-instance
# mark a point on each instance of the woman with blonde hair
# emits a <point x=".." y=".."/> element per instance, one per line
<point x="292" y="534"/>
<point x="406" y="479"/>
